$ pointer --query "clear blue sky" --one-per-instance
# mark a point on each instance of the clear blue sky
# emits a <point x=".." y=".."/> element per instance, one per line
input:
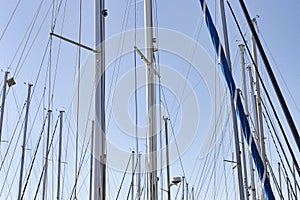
<point x="278" y="24"/>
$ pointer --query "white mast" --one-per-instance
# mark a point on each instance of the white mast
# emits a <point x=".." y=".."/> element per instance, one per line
<point x="59" y="155"/>
<point x="234" y="120"/>
<point x="252" y="187"/>
<point x="242" y="60"/>
<point x="167" y="158"/>
<point x="24" y="141"/>
<point x="260" y="127"/>
<point x="132" y="176"/>
<point x="100" y="143"/>
<point x="151" y="118"/>
<point x="258" y="102"/>
<point x="91" y="161"/>
<point x="46" y="156"/>
<point x="3" y="102"/>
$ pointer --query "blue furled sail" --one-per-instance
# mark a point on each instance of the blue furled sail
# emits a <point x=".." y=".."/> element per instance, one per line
<point x="238" y="103"/>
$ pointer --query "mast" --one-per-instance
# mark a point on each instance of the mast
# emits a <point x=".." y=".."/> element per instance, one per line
<point x="132" y="177"/>
<point x="193" y="194"/>
<point x="100" y="143"/>
<point x="3" y="103"/>
<point x="236" y="97"/>
<point x="46" y="157"/>
<point x="260" y="127"/>
<point x="279" y="175"/>
<point x="151" y="113"/>
<point x="280" y="97"/>
<point x="242" y="60"/>
<point x="24" y="142"/>
<point x="59" y="154"/>
<point x="253" y="190"/>
<point x="187" y="191"/>
<point x="91" y="161"/>
<point x="234" y="119"/>
<point x="167" y="158"/>
<point x="183" y="183"/>
<point x="139" y="177"/>
<point x="258" y="102"/>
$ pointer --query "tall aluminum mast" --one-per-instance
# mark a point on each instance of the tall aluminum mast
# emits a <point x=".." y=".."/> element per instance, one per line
<point x="100" y="143"/>
<point x="3" y="102"/>
<point x="234" y="119"/>
<point x="24" y="141"/>
<point x="151" y="115"/>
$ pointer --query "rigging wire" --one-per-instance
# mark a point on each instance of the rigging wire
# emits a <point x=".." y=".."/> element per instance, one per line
<point x="157" y="66"/>
<point x="78" y="93"/>
<point x="173" y="133"/>
<point x="10" y="19"/>
<point x="59" y="45"/>
<point x="13" y="134"/>
<point x="276" y="87"/>
<point x="116" y="68"/>
<point x="225" y="179"/>
<point x="48" y="151"/>
<point x="278" y="140"/>
<point x="11" y="160"/>
<point x="29" y="32"/>
<point x="17" y="143"/>
<point x="21" y="64"/>
<point x="280" y="74"/>
<point x="81" y="164"/>
<point x="267" y="94"/>
<point x="123" y="178"/>
<point x="34" y="157"/>
<point x="208" y="175"/>
<point x="67" y="140"/>
<point x="66" y="151"/>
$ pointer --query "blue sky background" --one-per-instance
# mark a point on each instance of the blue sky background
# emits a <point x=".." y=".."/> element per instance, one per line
<point x="279" y="26"/>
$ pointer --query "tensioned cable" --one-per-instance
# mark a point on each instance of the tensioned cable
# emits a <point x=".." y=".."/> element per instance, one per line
<point x="67" y="140"/>
<point x="48" y="151"/>
<point x="267" y="94"/>
<point x="11" y="160"/>
<point x="225" y="180"/>
<point x="157" y="66"/>
<point x="10" y="19"/>
<point x="215" y="156"/>
<point x="116" y="68"/>
<point x="281" y="76"/>
<point x="81" y="164"/>
<point x="34" y="157"/>
<point x="29" y="32"/>
<point x="268" y="162"/>
<point x="136" y="98"/>
<point x="31" y="45"/>
<point x="15" y="99"/>
<point x="276" y="87"/>
<point x="83" y="184"/>
<point x="278" y="140"/>
<point x="123" y="178"/>
<point x="197" y="36"/>
<point x="131" y="183"/>
<point x="59" y="45"/>
<point x="173" y="133"/>
<point x="66" y="152"/>
<point x="78" y="98"/>
<point x="13" y="134"/>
